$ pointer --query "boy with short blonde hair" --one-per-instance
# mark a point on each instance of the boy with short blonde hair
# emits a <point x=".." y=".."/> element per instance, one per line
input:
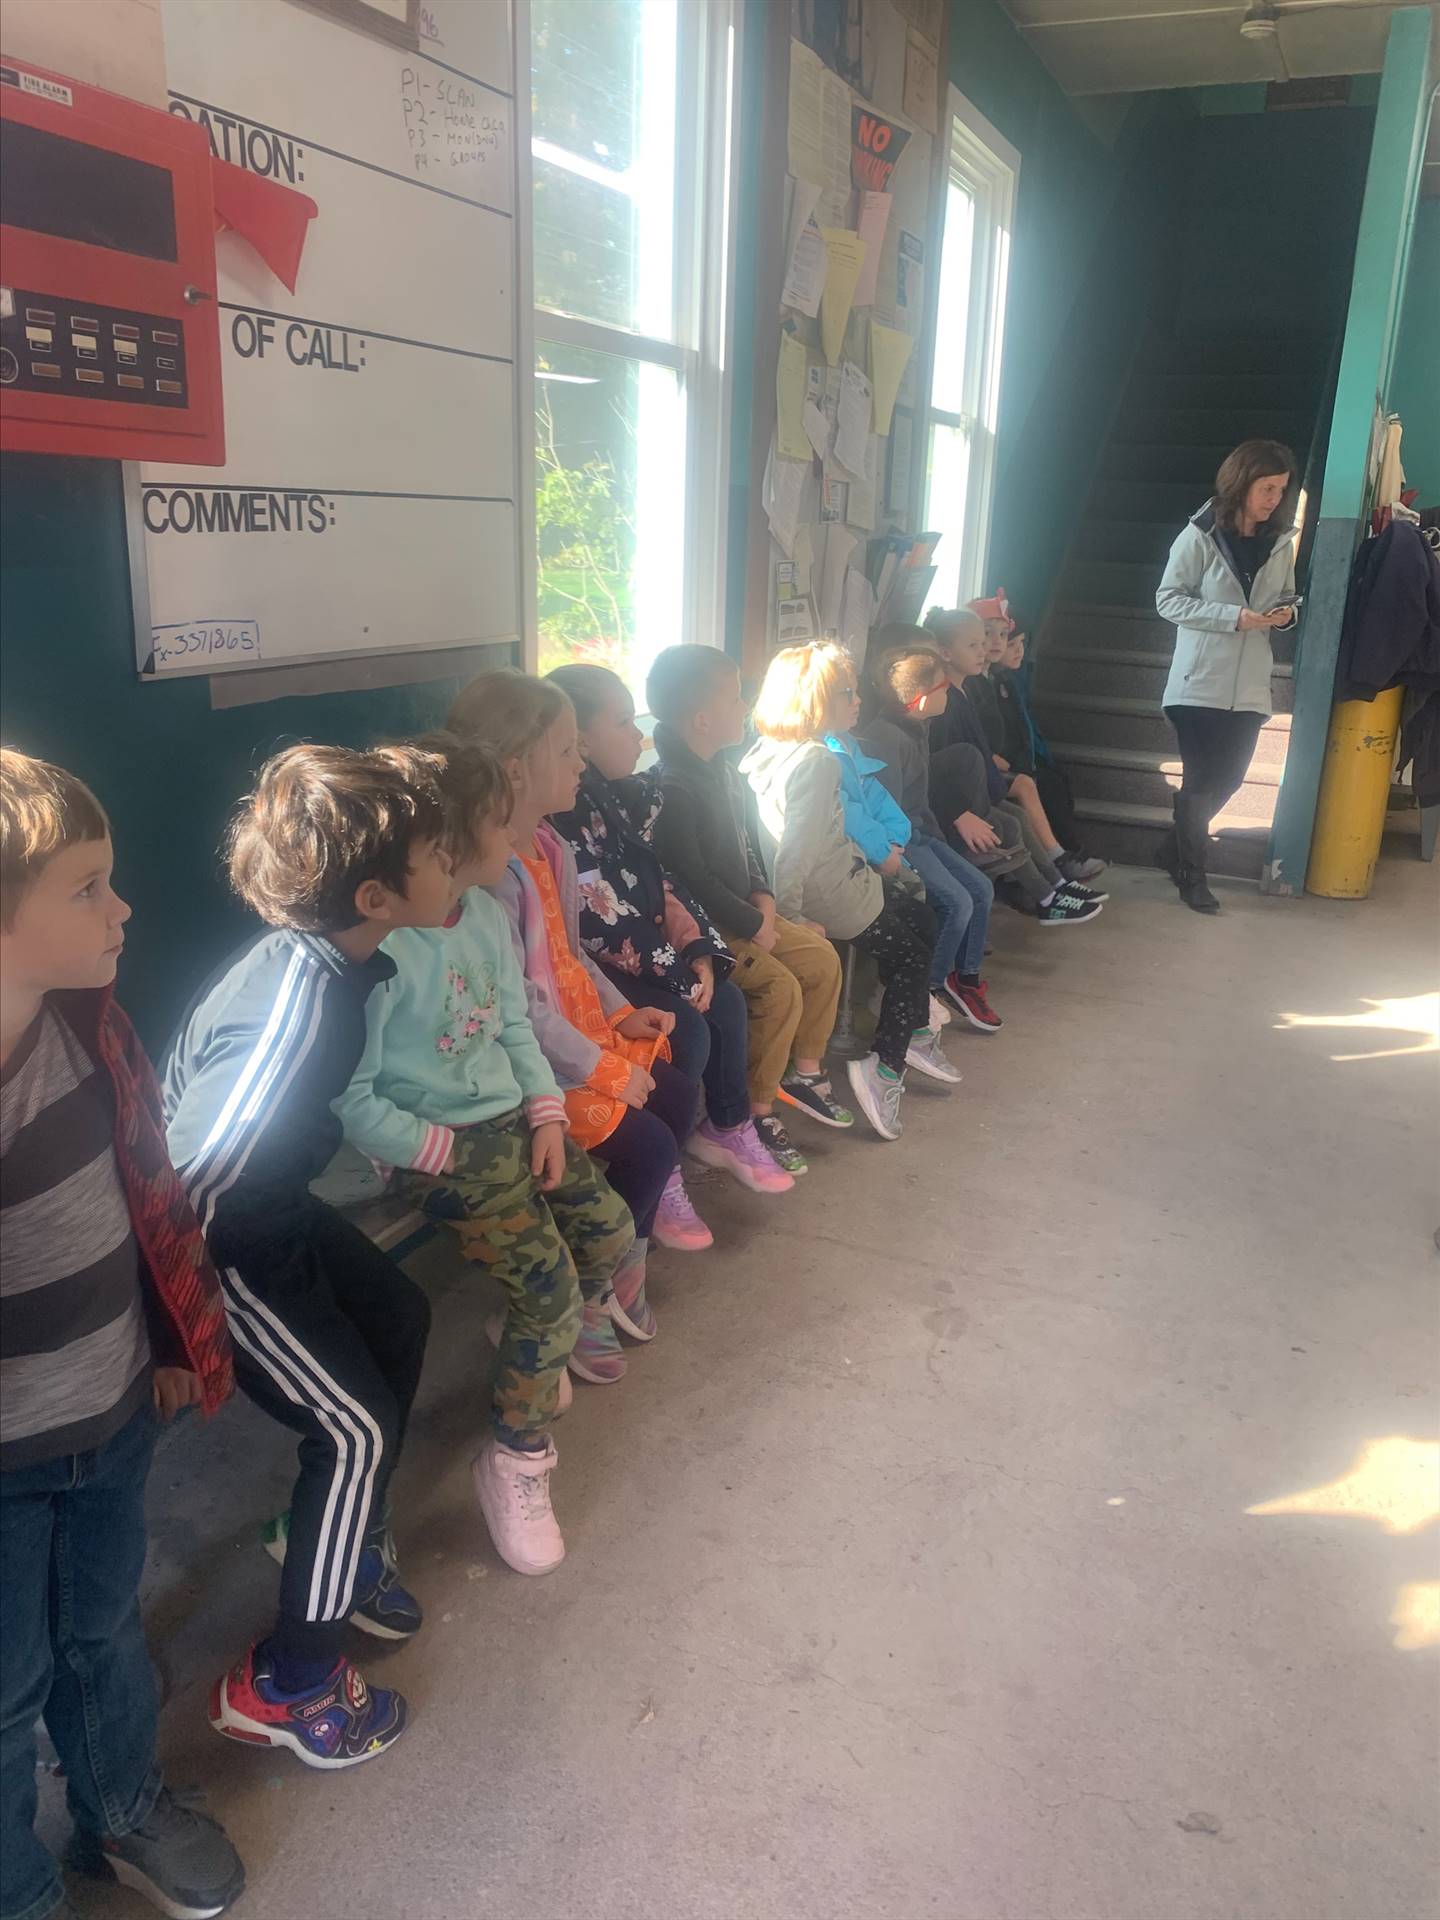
<point x="334" y="849"/>
<point x="110" y="1322"/>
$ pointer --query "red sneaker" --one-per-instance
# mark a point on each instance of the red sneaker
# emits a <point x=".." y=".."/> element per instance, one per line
<point x="971" y="1002"/>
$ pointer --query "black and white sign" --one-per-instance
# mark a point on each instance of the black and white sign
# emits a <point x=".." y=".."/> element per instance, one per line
<point x="369" y="500"/>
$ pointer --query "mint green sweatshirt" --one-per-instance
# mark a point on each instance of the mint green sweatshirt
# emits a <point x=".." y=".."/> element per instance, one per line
<point x="448" y="1043"/>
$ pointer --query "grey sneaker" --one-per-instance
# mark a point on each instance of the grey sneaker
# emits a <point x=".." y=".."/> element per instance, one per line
<point x="925" y="1056"/>
<point x="877" y="1094"/>
<point x="1080" y="866"/>
<point x="179" y="1859"/>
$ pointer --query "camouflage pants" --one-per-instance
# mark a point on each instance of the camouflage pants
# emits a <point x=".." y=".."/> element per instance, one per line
<point x="548" y="1251"/>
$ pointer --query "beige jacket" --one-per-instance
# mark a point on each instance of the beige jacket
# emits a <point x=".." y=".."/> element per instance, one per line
<point x="818" y="871"/>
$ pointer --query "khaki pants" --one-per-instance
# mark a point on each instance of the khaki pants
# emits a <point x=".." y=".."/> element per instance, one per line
<point x="791" y="995"/>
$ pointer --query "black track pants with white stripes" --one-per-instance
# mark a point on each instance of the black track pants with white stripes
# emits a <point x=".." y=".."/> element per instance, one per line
<point x="332" y="1346"/>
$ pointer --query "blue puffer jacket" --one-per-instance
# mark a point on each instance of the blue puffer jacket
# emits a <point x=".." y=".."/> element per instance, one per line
<point x="872" y="818"/>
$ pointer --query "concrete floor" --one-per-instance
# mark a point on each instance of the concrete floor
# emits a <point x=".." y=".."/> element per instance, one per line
<point x="910" y="1571"/>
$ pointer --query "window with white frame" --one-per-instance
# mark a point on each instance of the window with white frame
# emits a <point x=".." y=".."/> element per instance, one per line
<point x="969" y="335"/>
<point x="631" y="104"/>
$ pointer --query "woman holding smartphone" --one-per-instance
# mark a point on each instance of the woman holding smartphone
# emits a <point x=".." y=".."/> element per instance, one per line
<point x="1228" y="585"/>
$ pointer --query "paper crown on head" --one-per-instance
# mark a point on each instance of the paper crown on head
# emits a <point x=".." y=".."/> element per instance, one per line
<point x="997" y="607"/>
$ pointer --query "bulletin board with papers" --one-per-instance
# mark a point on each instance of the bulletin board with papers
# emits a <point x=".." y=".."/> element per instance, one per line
<point x="841" y="482"/>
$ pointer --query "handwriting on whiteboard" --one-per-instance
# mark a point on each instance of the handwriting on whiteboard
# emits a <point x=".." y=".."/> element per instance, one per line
<point x="199" y="641"/>
<point x="448" y="130"/>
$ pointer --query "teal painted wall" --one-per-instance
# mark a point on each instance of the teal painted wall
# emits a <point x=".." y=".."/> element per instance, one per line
<point x="1266" y="213"/>
<point x="1415" y="383"/>
<point x="1081" y="272"/>
<point x="166" y="768"/>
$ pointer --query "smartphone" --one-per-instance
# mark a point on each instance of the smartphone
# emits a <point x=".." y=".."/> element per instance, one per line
<point x="1296" y="600"/>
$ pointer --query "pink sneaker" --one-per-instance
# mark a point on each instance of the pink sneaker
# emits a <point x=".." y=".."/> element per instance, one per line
<point x="565" y="1393"/>
<point x="514" y="1494"/>
<point x="677" y="1225"/>
<point x="629" y="1308"/>
<point x="597" y="1355"/>
<point x="740" y="1151"/>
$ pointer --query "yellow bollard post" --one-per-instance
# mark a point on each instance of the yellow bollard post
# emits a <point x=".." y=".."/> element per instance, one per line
<point x="1354" y="793"/>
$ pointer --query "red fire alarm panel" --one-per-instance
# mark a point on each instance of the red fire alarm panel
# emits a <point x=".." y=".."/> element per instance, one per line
<point x="109" y="333"/>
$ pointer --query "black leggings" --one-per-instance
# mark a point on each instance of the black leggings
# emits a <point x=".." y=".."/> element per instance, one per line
<point x="1216" y="748"/>
<point x="644" y="1150"/>
<point x="901" y="941"/>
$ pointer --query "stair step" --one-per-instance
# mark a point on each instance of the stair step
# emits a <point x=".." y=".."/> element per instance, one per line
<point x="1104" y="774"/>
<point x="1107" y="720"/>
<point x="1103" y="670"/>
<point x="1244" y="354"/>
<point x="1144" y="541"/>
<point x="1078" y="623"/>
<point x="1194" y="387"/>
<point x="1205" y="426"/>
<point x="1132" y="673"/>
<point x="1158" y="460"/>
<point x="1130" y="833"/>
<point x="1168" y="503"/>
<point x="1111" y="582"/>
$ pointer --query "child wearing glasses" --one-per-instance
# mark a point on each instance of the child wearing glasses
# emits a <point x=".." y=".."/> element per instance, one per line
<point x="822" y="878"/>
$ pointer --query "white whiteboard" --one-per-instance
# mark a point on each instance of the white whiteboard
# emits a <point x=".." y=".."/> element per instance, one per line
<point x="371" y="497"/>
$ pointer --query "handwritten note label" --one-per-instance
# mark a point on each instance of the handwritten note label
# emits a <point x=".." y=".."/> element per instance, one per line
<point x="447" y="125"/>
<point x="202" y="641"/>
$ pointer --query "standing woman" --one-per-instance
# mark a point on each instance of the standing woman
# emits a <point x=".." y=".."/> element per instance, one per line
<point x="1228" y="584"/>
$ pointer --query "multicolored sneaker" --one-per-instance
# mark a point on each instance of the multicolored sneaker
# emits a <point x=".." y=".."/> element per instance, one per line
<point x="629" y="1308"/>
<point x="924" y="1055"/>
<point x="340" y="1723"/>
<point x="597" y="1355"/>
<point x="564" y="1392"/>
<point x="381" y="1606"/>
<point x="513" y="1489"/>
<point x="677" y="1224"/>
<point x="178" y="1858"/>
<point x="780" y="1147"/>
<point x="739" y="1151"/>
<point x="815" y="1097"/>
<point x="877" y="1094"/>
<point x="971" y="1002"/>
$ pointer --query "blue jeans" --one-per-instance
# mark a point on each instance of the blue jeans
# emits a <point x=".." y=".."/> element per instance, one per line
<point x="708" y="1047"/>
<point x="961" y="897"/>
<point x="72" y="1547"/>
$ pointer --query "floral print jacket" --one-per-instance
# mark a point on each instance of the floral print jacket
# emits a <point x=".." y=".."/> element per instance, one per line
<point x="634" y="919"/>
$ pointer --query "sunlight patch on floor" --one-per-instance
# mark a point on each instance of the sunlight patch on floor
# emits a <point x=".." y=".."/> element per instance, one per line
<point x="1418" y="1013"/>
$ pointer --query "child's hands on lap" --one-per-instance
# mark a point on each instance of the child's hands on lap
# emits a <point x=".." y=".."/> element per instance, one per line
<point x="765" y="938"/>
<point x="637" y="1088"/>
<point x="977" y="834"/>
<point x="175" y="1387"/>
<point x="646" y="1023"/>
<point x="547" y="1156"/>
<point x="703" y="992"/>
<point x="890" y="865"/>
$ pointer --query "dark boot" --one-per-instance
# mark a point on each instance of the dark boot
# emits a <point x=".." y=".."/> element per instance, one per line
<point x="1167" y="854"/>
<point x="1192" y="837"/>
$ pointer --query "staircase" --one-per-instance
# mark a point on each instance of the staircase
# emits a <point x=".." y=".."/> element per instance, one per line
<point x="1104" y="654"/>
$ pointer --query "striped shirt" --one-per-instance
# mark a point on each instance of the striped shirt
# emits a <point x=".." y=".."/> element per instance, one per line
<point x="74" y="1345"/>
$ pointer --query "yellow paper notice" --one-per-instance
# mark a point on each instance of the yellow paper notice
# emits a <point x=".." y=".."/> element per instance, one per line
<point x="791" y="441"/>
<point x="889" y="351"/>
<point x="845" y="253"/>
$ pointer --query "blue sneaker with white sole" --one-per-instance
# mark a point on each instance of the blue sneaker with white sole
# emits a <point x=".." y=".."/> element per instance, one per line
<point x="381" y="1606"/>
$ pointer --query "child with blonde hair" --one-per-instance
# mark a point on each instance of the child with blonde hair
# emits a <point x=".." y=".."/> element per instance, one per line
<point x="823" y="879"/>
<point x="624" y="1100"/>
